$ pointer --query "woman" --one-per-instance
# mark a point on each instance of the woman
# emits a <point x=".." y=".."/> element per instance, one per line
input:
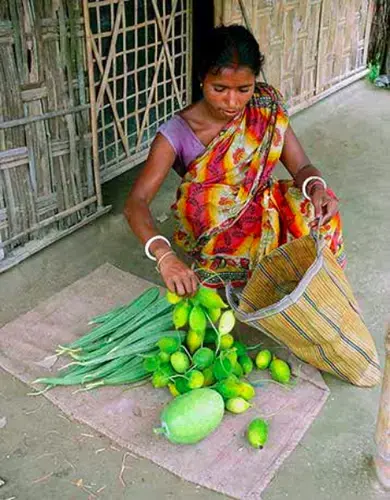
<point x="229" y="210"/>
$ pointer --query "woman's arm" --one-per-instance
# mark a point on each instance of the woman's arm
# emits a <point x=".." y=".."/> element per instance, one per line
<point x="177" y="276"/>
<point x="298" y="165"/>
<point x="145" y="188"/>
<point x="295" y="159"/>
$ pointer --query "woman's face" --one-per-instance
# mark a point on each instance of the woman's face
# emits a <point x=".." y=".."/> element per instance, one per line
<point x="227" y="92"/>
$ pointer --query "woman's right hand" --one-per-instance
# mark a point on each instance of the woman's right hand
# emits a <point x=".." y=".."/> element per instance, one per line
<point x="178" y="277"/>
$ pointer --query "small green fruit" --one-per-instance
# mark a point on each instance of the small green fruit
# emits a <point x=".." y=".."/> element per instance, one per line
<point x="173" y="298"/>
<point x="226" y="322"/>
<point x="247" y="391"/>
<point x="257" y="433"/>
<point x="180" y="362"/>
<point x="237" y="405"/>
<point x="226" y="341"/>
<point x="195" y="379"/>
<point x="280" y="371"/>
<point x="263" y="359"/>
<point x="246" y="363"/>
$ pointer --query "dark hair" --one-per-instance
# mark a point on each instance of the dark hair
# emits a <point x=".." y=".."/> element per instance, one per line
<point x="227" y="46"/>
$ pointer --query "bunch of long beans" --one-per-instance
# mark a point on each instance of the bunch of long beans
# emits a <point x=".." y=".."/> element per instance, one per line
<point x="112" y="353"/>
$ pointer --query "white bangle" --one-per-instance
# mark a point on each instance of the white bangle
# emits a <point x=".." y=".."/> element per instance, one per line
<point x="310" y="179"/>
<point x="150" y="241"/>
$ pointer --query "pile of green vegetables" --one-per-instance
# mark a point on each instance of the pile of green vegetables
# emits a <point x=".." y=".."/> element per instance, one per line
<point x="183" y="344"/>
<point x="113" y="352"/>
<point x="208" y="371"/>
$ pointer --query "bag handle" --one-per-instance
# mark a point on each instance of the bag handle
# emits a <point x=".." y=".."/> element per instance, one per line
<point x="317" y="237"/>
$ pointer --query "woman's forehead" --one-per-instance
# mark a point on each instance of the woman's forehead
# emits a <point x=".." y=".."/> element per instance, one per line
<point x="231" y="76"/>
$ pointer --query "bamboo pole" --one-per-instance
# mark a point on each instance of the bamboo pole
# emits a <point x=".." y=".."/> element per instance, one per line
<point x="382" y="437"/>
<point x="95" y="146"/>
<point x="110" y="98"/>
<point x="155" y="77"/>
<point x="165" y="38"/>
<point x="44" y="116"/>
<point x="111" y="54"/>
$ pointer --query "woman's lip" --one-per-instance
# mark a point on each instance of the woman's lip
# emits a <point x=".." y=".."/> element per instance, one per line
<point x="230" y="112"/>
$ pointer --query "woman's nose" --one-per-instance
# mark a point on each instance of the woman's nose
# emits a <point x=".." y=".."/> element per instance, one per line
<point x="232" y="101"/>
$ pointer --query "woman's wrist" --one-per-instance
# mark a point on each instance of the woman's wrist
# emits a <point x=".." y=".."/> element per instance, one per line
<point x="159" y="248"/>
<point x="304" y="173"/>
<point x="156" y="246"/>
<point x="315" y="187"/>
<point x="309" y="183"/>
<point x="165" y="256"/>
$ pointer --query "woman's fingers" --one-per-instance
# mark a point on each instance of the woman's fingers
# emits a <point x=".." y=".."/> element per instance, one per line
<point x="325" y="207"/>
<point x="194" y="282"/>
<point x="180" y="288"/>
<point x="317" y="202"/>
<point x="190" y="282"/>
<point x="170" y="285"/>
<point x="329" y="210"/>
<point x="179" y="278"/>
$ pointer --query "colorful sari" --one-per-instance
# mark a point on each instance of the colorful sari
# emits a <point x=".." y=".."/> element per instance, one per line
<point x="229" y="210"/>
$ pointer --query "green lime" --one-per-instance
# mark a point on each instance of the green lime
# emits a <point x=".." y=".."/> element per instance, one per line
<point x="209" y="378"/>
<point x="226" y="322"/>
<point x="257" y="433"/>
<point x="280" y="371"/>
<point x="222" y="368"/>
<point x="237" y="405"/>
<point x="160" y="379"/>
<point x="263" y="359"/>
<point x="246" y="363"/>
<point x="151" y="363"/>
<point x="180" y="362"/>
<point x="203" y="358"/>
<point x="164" y="357"/>
<point x="238" y="370"/>
<point x="226" y="341"/>
<point x="228" y="388"/>
<point x="195" y="379"/>
<point x="247" y="391"/>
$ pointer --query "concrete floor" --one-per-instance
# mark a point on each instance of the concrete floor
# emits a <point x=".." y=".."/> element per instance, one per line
<point x="43" y="455"/>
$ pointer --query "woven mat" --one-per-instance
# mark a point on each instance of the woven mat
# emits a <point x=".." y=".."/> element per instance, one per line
<point x="223" y="462"/>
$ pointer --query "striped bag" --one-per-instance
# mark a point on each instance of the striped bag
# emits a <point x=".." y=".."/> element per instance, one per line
<point x="299" y="296"/>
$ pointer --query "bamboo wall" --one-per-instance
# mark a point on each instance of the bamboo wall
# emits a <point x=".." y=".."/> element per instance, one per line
<point x="47" y="186"/>
<point x="311" y="46"/>
<point x="78" y="110"/>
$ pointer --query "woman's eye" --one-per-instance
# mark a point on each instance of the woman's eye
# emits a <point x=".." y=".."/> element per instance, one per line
<point x="219" y="89"/>
<point x="245" y="90"/>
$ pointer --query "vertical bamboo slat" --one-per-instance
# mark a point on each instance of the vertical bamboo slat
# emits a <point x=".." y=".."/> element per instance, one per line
<point x="92" y="97"/>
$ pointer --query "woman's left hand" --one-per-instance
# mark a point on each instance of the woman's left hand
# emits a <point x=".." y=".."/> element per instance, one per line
<point x="325" y="206"/>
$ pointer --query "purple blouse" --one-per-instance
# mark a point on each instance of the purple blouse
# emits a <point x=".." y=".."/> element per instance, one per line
<point x="183" y="140"/>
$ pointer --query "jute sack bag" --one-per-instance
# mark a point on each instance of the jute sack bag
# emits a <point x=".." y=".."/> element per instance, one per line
<point x="299" y="296"/>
